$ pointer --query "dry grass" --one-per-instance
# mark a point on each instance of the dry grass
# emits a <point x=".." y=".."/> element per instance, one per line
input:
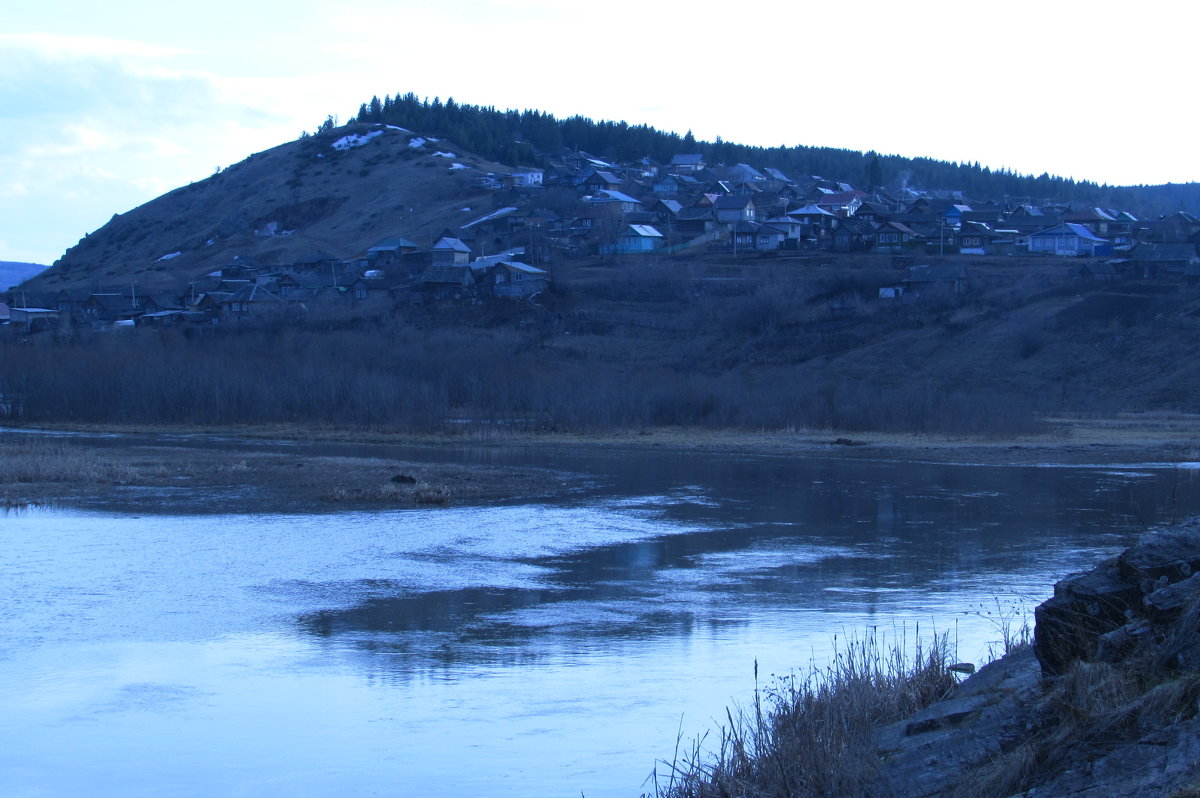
<point x="1092" y="708"/>
<point x="41" y="460"/>
<point x="392" y="493"/>
<point x="812" y="736"/>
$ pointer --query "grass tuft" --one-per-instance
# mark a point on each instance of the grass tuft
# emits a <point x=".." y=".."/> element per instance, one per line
<point x="813" y="735"/>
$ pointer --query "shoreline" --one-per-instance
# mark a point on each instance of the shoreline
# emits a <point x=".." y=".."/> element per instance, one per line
<point x="159" y="466"/>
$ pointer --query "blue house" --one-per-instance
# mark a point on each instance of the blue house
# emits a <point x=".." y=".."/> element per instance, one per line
<point x="1068" y="239"/>
<point x="638" y="239"/>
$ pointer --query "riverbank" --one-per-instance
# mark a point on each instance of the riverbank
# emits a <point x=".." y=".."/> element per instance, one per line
<point x="1101" y="702"/>
<point x="178" y="475"/>
<point x="158" y="464"/>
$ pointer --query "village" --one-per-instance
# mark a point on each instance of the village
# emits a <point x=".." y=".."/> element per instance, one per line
<point x="582" y="208"/>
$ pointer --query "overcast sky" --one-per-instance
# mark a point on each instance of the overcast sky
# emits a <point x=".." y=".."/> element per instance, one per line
<point x="107" y="105"/>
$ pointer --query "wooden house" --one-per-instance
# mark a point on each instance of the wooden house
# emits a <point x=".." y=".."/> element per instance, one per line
<point x="1155" y="260"/>
<point x="451" y="252"/>
<point x="686" y="163"/>
<point x="516" y="279"/>
<point x="897" y="237"/>
<point x="735" y="208"/>
<point x="638" y="239"/>
<point x="853" y="236"/>
<point x="754" y="236"/>
<point x="1068" y="239"/>
<point x="107" y="308"/>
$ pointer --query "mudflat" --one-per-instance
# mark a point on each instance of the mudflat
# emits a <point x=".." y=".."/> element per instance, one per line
<point x="168" y="471"/>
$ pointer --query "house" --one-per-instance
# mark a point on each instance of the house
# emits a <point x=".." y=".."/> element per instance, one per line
<point x="592" y="180"/>
<point x="734" y="208"/>
<point x="451" y="252"/>
<point x="390" y="250"/>
<point x="614" y="200"/>
<point x="1068" y="239"/>
<point x="208" y="304"/>
<point x="754" y="236"/>
<point x="638" y="239"/>
<point x="976" y="238"/>
<point x="775" y="174"/>
<point x="840" y="203"/>
<point x="449" y="281"/>
<point x="954" y="214"/>
<point x="313" y="261"/>
<point x="745" y="173"/>
<point x="33" y="319"/>
<point x="853" y="236"/>
<point x="526" y="176"/>
<point x="674" y="185"/>
<point x="694" y="222"/>
<point x="1151" y="259"/>
<point x="250" y="300"/>
<point x="871" y="211"/>
<point x="104" y="308"/>
<point x="687" y="163"/>
<point x="897" y="237"/>
<point x="793" y="229"/>
<point x="516" y="279"/>
<point x="820" y="221"/>
<point x="1096" y="220"/>
<point x="159" y="304"/>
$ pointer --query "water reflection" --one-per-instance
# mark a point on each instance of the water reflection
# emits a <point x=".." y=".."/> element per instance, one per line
<point x="553" y="647"/>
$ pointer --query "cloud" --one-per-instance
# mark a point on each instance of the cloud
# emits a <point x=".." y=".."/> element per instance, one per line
<point x="82" y="47"/>
<point x="96" y="126"/>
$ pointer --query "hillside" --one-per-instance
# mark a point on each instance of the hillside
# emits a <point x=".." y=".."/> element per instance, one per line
<point x="14" y="273"/>
<point x="261" y="276"/>
<point x="316" y="196"/>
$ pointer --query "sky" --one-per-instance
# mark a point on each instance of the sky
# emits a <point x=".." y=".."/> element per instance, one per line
<point x="104" y="106"/>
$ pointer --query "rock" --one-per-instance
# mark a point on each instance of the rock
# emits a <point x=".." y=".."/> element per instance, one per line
<point x="1084" y="607"/>
<point x="925" y="754"/>
<point x="1140" y="614"/>
<point x="1166" y="604"/>
<point x="1118" y="644"/>
<point x="1173" y="554"/>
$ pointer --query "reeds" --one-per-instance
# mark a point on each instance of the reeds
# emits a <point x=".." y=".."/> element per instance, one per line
<point x="392" y="492"/>
<point x="813" y="735"/>
<point x="41" y="460"/>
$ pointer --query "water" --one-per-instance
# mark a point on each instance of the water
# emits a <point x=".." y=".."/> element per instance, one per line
<point x="546" y="649"/>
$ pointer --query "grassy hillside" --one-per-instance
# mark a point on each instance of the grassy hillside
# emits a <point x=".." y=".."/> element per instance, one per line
<point x="336" y="200"/>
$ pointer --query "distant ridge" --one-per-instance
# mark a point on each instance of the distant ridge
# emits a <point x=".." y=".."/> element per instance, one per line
<point x="13" y="273"/>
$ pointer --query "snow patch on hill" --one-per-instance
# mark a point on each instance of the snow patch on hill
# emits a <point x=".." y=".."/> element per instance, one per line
<point x="355" y="140"/>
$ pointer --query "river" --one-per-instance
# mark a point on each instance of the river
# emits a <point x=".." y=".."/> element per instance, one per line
<point x="550" y="649"/>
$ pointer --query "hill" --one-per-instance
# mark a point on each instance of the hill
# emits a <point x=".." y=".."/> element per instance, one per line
<point x="14" y="273"/>
<point x="709" y="330"/>
<point x="328" y="196"/>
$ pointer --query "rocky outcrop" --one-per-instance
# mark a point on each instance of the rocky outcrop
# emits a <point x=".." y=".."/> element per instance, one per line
<point x="1106" y="702"/>
<point x="1126" y="603"/>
